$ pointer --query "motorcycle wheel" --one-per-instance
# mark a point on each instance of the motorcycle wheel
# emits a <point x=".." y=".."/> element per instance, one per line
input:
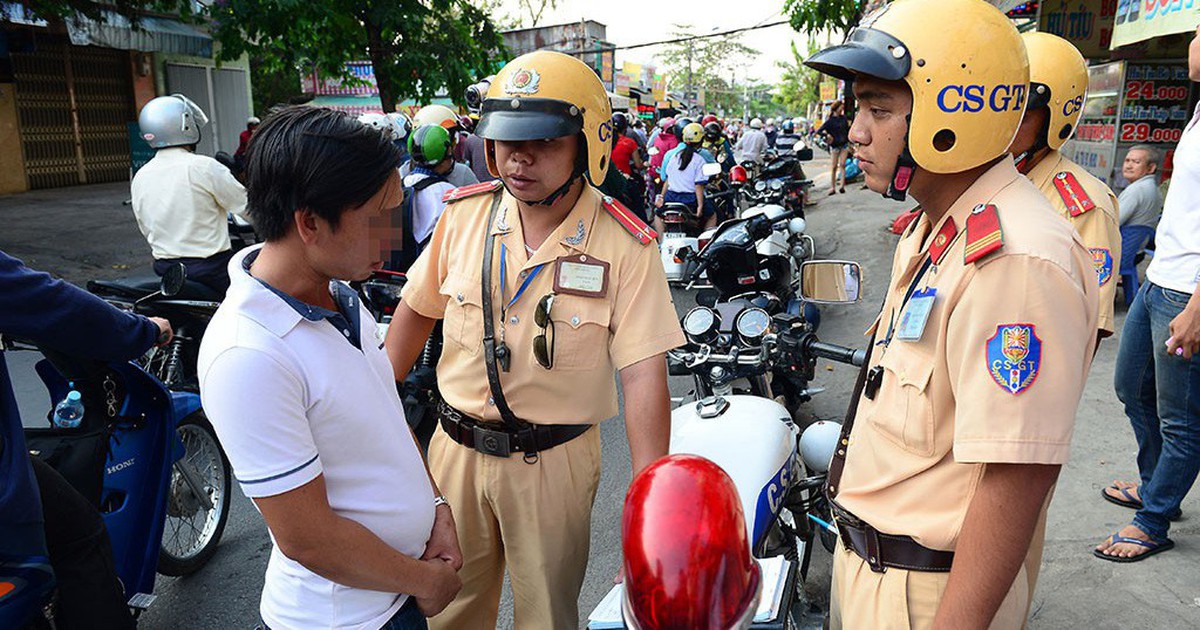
<point x="192" y="532"/>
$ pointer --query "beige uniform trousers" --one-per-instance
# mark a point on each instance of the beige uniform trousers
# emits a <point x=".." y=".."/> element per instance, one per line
<point x="534" y="518"/>
<point x="861" y="599"/>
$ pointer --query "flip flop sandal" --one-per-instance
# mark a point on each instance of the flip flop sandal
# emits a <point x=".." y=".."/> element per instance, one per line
<point x="1130" y="501"/>
<point x="1151" y="546"/>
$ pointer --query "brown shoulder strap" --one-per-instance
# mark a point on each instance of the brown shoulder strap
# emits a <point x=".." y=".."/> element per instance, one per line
<point x="489" y="330"/>
<point x="839" y="454"/>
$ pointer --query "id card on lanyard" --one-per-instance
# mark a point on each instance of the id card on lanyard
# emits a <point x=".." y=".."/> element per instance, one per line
<point x="916" y="315"/>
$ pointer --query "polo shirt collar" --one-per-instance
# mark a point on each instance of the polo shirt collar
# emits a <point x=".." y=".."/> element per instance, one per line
<point x="572" y="235"/>
<point x="1048" y="167"/>
<point x="991" y="182"/>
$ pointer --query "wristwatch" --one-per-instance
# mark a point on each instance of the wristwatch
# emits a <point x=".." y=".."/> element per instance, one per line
<point x="440" y="500"/>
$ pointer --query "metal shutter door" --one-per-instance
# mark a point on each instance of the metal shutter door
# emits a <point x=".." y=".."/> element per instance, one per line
<point x="192" y="82"/>
<point x="232" y="106"/>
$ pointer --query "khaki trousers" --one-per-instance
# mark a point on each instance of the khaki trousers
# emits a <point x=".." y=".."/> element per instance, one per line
<point x="534" y="518"/>
<point x="903" y="600"/>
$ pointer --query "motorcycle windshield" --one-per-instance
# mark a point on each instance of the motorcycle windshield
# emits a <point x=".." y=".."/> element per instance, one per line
<point x="732" y="233"/>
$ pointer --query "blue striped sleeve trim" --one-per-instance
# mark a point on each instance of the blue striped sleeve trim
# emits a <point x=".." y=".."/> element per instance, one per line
<point x="282" y="474"/>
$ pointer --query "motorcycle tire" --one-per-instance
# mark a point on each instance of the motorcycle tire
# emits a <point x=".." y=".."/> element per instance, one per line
<point x="200" y="441"/>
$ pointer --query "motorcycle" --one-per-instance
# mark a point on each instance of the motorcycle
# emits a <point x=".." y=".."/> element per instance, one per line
<point x="682" y="228"/>
<point x="781" y="181"/>
<point x="146" y="457"/>
<point x="778" y="470"/>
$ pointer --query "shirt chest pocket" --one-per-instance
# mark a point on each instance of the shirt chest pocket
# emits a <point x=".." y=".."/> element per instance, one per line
<point x="463" y="323"/>
<point x="581" y="333"/>
<point x="903" y="410"/>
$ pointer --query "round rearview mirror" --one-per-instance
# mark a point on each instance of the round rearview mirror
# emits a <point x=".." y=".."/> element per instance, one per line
<point x="173" y="280"/>
<point x="831" y="281"/>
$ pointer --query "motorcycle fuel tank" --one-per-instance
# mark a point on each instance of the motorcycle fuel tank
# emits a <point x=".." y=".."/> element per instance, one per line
<point x="753" y="439"/>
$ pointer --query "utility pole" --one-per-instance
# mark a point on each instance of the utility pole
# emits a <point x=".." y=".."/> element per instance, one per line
<point x="691" y="99"/>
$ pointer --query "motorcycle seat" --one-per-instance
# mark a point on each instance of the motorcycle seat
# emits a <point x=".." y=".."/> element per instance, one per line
<point x="137" y="287"/>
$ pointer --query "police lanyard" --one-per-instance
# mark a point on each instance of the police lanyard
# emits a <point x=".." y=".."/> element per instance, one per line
<point x="506" y="303"/>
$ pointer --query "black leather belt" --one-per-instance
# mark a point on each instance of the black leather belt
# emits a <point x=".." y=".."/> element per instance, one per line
<point x="500" y="441"/>
<point x="881" y="551"/>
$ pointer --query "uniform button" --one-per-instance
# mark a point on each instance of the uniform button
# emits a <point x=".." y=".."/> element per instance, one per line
<point x="491" y="401"/>
<point x="514" y="320"/>
<point x="460" y="297"/>
<point x="524" y="274"/>
<point x="575" y="321"/>
<point x="346" y="332"/>
<point x="842" y="452"/>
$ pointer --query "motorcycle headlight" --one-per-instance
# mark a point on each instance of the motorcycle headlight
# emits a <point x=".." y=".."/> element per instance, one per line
<point x="701" y="324"/>
<point x="777" y="184"/>
<point x="760" y="185"/>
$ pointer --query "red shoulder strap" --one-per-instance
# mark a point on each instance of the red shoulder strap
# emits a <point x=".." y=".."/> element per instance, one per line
<point x="462" y="192"/>
<point x="1073" y="194"/>
<point x="628" y="220"/>
<point x="984" y="234"/>
<point x="941" y="242"/>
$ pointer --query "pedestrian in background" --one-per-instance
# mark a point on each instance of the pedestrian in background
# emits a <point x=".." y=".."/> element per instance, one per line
<point x="1140" y="203"/>
<point x="1158" y="364"/>
<point x="837" y="134"/>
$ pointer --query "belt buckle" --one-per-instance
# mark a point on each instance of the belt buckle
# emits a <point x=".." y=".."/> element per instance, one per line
<point x="489" y="442"/>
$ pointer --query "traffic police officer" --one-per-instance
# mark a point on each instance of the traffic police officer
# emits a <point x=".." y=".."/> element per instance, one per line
<point x="563" y="287"/>
<point x="963" y="415"/>
<point x="1058" y="83"/>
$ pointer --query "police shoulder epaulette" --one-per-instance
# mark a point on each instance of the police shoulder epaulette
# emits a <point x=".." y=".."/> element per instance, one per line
<point x="1073" y="194"/>
<point x="984" y="235"/>
<point x="628" y="220"/>
<point x="462" y="192"/>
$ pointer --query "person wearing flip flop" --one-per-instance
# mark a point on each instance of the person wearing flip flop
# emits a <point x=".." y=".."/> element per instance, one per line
<point x="1158" y="364"/>
<point x="963" y="413"/>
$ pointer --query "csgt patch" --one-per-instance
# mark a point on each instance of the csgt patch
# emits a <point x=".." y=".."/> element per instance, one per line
<point x="1103" y="261"/>
<point x="1014" y="356"/>
<point x="974" y="98"/>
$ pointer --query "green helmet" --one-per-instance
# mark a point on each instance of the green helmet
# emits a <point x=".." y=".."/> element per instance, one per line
<point x="429" y="144"/>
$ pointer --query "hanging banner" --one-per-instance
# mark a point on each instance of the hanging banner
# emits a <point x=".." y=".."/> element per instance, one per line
<point x="1086" y="23"/>
<point x="1139" y="20"/>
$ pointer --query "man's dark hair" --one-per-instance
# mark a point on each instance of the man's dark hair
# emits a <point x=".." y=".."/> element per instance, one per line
<point x="312" y="158"/>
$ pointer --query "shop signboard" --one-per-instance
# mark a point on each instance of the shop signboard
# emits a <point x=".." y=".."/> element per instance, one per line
<point x="1139" y="20"/>
<point x="1155" y="107"/>
<point x="1094" y="144"/>
<point x="1086" y="23"/>
<point x="621" y="83"/>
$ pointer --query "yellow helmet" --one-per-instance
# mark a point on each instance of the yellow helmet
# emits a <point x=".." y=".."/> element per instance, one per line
<point x="692" y="133"/>
<point x="545" y="94"/>
<point x="1058" y="79"/>
<point x="966" y="67"/>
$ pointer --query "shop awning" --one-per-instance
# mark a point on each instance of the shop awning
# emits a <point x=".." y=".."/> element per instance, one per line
<point x="1135" y="23"/>
<point x="619" y="103"/>
<point x="152" y="34"/>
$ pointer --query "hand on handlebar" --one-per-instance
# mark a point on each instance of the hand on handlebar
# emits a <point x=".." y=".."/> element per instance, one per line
<point x="165" y="334"/>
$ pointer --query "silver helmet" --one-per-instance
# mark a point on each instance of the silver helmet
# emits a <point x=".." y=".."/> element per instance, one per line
<point x="171" y="121"/>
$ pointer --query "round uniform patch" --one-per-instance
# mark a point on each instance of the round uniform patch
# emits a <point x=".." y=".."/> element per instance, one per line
<point x="1014" y="356"/>
<point x="1102" y="260"/>
<point x="522" y="81"/>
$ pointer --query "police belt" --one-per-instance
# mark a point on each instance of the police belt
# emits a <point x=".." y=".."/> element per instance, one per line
<point x="881" y="551"/>
<point x="500" y="441"/>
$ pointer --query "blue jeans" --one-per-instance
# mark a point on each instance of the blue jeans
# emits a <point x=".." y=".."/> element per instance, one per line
<point x="1161" y="394"/>
<point x="409" y="617"/>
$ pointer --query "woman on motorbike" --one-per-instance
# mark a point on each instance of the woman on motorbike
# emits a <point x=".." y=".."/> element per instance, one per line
<point x="684" y="179"/>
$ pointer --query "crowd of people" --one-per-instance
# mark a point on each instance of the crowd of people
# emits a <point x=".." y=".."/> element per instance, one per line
<point x="524" y="230"/>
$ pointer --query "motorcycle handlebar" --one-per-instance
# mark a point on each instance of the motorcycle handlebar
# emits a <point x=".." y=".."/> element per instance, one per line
<point x="841" y="354"/>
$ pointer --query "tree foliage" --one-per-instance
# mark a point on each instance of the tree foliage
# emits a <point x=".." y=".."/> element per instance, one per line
<point x="713" y="62"/>
<point x="814" y="16"/>
<point x="417" y="47"/>
<point x="799" y="86"/>
<point x="63" y="9"/>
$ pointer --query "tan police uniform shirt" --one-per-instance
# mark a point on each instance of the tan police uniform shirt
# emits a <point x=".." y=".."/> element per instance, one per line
<point x="995" y="375"/>
<point x="1099" y="226"/>
<point x="592" y="336"/>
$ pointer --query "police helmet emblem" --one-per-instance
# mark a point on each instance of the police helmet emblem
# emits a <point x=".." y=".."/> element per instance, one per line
<point x="523" y="81"/>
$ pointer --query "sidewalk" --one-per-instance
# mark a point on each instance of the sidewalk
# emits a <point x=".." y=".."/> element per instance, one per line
<point x="78" y="233"/>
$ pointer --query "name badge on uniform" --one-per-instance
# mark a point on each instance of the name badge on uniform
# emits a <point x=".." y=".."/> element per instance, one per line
<point x="581" y="275"/>
<point x="916" y="315"/>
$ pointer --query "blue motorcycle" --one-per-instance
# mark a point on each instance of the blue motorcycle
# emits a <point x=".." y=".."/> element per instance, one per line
<point x="146" y="457"/>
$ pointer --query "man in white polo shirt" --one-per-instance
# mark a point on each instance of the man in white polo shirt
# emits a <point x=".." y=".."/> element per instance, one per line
<point x="1158" y="364"/>
<point x="295" y="380"/>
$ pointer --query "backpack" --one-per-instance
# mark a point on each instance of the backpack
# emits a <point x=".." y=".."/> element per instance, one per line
<point x="402" y="259"/>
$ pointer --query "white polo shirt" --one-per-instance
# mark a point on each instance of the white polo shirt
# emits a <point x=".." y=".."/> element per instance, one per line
<point x="181" y="201"/>
<point x="291" y="398"/>
<point x="1176" y="262"/>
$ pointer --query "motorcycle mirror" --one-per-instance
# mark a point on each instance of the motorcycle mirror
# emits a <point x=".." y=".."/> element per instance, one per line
<point x="831" y="281"/>
<point x="173" y="280"/>
<point x="711" y="170"/>
<point x="805" y="154"/>
<point x="653" y="151"/>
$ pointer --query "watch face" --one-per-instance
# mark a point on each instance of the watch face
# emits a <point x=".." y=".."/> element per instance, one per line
<point x="753" y="323"/>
